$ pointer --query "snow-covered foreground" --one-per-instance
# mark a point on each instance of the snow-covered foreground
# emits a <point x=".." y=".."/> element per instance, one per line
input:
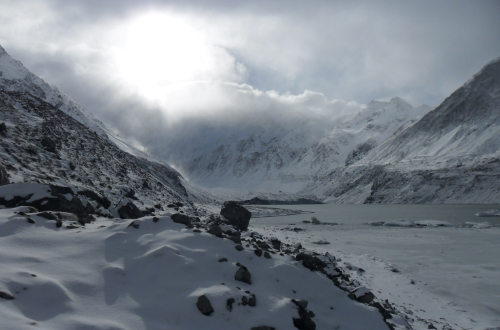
<point x="448" y="275"/>
<point x="110" y="275"/>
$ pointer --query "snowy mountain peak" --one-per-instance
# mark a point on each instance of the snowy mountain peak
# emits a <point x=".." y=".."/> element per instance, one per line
<point x="399" y="102"/>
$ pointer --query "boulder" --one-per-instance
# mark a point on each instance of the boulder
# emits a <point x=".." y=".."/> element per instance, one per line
<point x="3" y="127"/>
<point x="4" y="176"/>
<point x="310" y="262"/>
<point x="229" y="304"/>
<point x="243" y="275"/>
<point x="252" y="301"/>
<point x="304" y="321"/>
<point x="215" y="230"/>
<point x="127" y="210"/>
<point x="181" y="218"/>
<point x="204" y="305"/>
<point x="5" y="295"/>
<point x="49" y="144"/>
<point x="237" y="215"/>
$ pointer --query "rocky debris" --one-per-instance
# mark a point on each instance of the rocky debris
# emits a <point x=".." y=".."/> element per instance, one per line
<point x="48" y="215"/>
<point x="5" y="295"/>
<point x="267" y="255"/>
<point x="311" y="262"/>
<point x="49" y="144"/>
<point x="304" y="321"/>
<point x="243" y="275"/>
<point x="181" y="218"/>
<point x="276" y="243"/>
<point x="4" y="176"/>
<point x="237" y="215"/>
<point x="128" y="210"/>
<point x="229" y="304"/>
<point x="362" y="295"/>
<point x="385" y="314"/>
<point x="239" y="247"/>
<point x="215" y="230"/>
<point x="204" y="305"/>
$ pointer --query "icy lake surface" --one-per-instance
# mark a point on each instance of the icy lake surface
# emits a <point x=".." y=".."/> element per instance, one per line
<point x="453" y="261"/>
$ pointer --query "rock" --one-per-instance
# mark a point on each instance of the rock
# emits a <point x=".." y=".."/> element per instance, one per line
<point x="310" y="262"/>
<point x="237" y="215"/>
<point x="3" y="127"/>
<point x="304" y="322"/>
<point x="155" y="219"/>
<point x="132" y="224"/>
<point x="229" y="304"/>
<point x="215" y="230"/>
<point x="362" y="294"/>
<point x="267" y="255"/>
<point x="58" y="224"/>
<point x="239" y="247"/>
<point x="128" y="210"/>
<point x="243" y="275"/>
<point x="276" y="243"/>
<point x="181" y="218"/>
<point x="315" y="221"/>
<point x="223" y="260"/>
<point x="49" y="144"/>
<point x="4" y="176"/>
<point x="258" y="252"/>
<point x="235" y="239"/>
<point x="204" y="305"/>
<point x="385" y="314"/>
<point x="48" y="215"/>
<point x="5" y="295"/>
<point x="30" y="220"/>
<point x="244" y="300"/>
<point x="145" y="185"/>
<point x="300" y="302"/>
<point x="252" y="302"/>
<point x="263" y="327"/>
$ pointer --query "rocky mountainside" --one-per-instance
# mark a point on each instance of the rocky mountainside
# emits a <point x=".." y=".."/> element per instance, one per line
<point x="274" y="156"/>
<point x="46" y="139"/>
<point x="451" y="155"/>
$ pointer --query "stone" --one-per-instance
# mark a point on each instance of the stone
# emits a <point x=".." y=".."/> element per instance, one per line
<point x="315" y="221"/>
<point x="310" y="262"/>
<point x="385" y="314"/>
<point x="263" y="327"/>
<point x="300" y="302"/>
<point x="181" y="218"/>
<point x="4" y="176"/>
<point x="229" y="304"/>
<point x="304" y="321"/>
<point x="48" y="215"/>
<point x="244" y="300"/>
<point x="58" y="224"/>
<point x="128" y="210"/>
<point x="223" y="260"/>
<point x="204" y="305"/>
<point x="237" y="215"/>
<point x="5" y="295"/>
<point x="49" y="144"/>
<point x="239" y="247"/>
<point x="215" y="230"/>
<point x="243" y="275"/>
<point x="155" y="219"/>
<point x="30" y="220"/>
<point x="267" y="255"/>
<point x="3" y="127"/>
<point x="235" y="239"/>
<point x="276" y="243"/>
<point x="252" y="302"/>
<point x="258" y="252"/>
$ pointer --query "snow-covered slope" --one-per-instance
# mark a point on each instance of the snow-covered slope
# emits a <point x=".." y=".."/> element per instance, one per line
<point x="15" y="77"/>
<point x="273" y="155"/>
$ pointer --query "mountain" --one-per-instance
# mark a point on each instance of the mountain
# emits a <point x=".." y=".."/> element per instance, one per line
<point x="47" y="139"/>
<point x="451" y="155"/>
<point x="272" y="156"/>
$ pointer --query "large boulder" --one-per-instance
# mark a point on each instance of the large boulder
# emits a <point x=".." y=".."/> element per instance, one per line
<point x="237" y="215"/>
<point x="49" y="144"/>
<point x="127" y="210"/>
<point x="4" y="177"/>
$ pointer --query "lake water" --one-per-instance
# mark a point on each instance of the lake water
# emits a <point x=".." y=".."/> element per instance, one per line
<point x="460" y="265"/>
<point x="357" y="216"/>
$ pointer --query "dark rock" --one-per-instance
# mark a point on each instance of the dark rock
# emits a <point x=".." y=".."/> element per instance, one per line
<point x="104" y="201"/>
<point x="263" y="327"/>
<point x="385" y="314"/>
<point x="4" y="176"/>
<point x="235" y="239"/>
<point x="258" y="252"/>
<point x="237" y="215"/>
<point x="239" y="247"/>
<point x="252" y="302"/>
<point x="222" y="259"/>
<point x="310" y="262"/>
<point x="72" y="227"/>
<point x="131" y="194"/>
<point x="196" y="231"/>
<point x="171" y="206"/>
<point x="30" y="220"/>
<point x="243" y="275"/>
<point x="215" y="230"/>
<point x="181" y="218"/>
<point x="145" y="185"/>
<point x="229" y="304"/>
<point x="155" y="219"/>
<point x="204" y="305"/>
<point x="244" y="301"/>
<point x="132" y="224"/>
<point x="276" y="243"/>
<point x="58" y="224"/>
<point x="304" y="322"/>
<point x="300" y="302"/>
<point x="431" y="326"/>
<point x="267" y="255"/>
<point x="311" y="314"/>
<point x="179" y="204"/>
<point x="5" y="295"/>
<point x="158" y="206"/>
<point x="3" y="127"/>
<point x="129" y="211"/>
<point x="49" y="144"/>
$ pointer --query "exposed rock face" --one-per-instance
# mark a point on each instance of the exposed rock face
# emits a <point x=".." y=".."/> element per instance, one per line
<point x="4" y="177"/>
<point x="181" y="218"/>
<point x="304" y="321"/>
<point x="310" y="262"/>
<point x="204" y="305"/>
<point x="237" y="215"/>
<point x="243" y="275"/>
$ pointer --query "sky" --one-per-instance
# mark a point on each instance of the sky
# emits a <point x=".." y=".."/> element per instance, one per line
<point x="151" y="65"/>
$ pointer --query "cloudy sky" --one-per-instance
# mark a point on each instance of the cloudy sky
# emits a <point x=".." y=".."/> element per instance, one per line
<point x="154" y="63"/>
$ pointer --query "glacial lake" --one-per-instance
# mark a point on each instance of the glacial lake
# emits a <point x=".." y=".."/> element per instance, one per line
<point x="351" y="216"/>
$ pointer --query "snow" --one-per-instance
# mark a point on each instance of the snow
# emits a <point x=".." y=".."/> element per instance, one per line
<point x="109" y="275"/>
<point x="489" y="213"/>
